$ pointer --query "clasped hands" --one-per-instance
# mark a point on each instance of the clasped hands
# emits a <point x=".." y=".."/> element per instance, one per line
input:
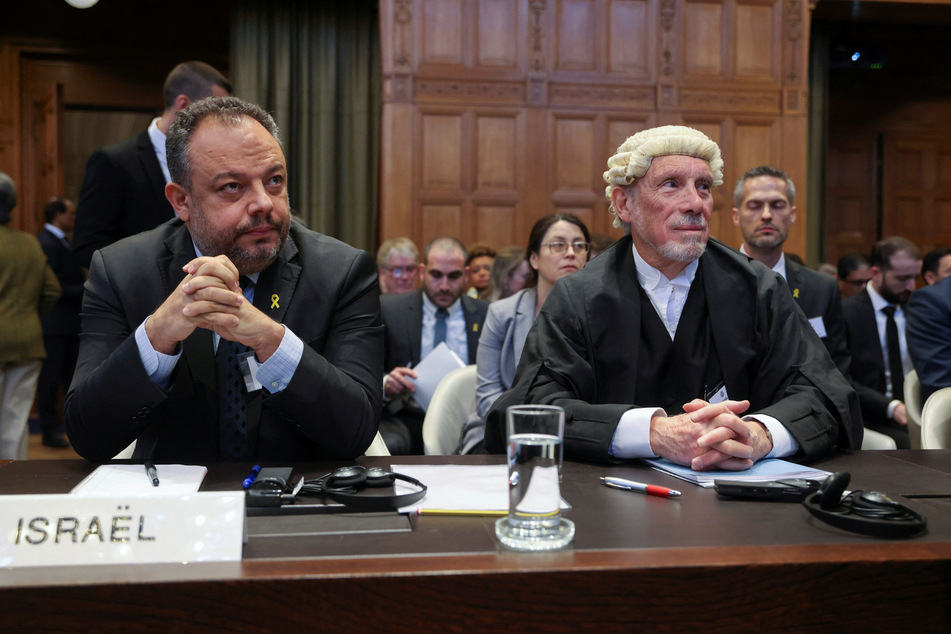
<point x="210" y="297"/>
<point x="710" y="436"/>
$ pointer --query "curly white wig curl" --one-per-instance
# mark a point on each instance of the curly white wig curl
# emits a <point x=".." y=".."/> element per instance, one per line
<point x="634" y="157"/>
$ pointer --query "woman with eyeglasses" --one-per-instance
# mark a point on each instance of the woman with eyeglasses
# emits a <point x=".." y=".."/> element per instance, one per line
<point x="557" y="246"/>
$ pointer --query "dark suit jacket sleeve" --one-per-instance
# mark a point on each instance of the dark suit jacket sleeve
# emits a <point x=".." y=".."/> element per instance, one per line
<point x="334" y="397"/>
<point x="929" y="336"/>
<point x="111" y="399"/>
<point x="99" y="207"/>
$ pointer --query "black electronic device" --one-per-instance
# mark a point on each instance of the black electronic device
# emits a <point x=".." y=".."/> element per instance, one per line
<point x="789" y="490"/>
<point x="344" y="485"/>
<point x="865" y="512"/>
<point x="270" y="488"/>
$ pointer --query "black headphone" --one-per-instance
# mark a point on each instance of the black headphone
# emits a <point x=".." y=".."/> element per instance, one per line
<point x="343" y="486"/>
<point x="865" y="512"/>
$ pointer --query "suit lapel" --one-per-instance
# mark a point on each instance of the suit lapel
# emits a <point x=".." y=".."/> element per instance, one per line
<point x="414" y="326"/>
<point x="624" y="343"/>
<point x="472" y="328"/>
<point x="732" y="336"/>
<point x="870" y="325"/>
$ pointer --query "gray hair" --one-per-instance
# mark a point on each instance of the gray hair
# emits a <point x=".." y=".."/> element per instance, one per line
<point x="394" y="246"/>
<point x="228" y="111"/>
<point x="8" y="197"/>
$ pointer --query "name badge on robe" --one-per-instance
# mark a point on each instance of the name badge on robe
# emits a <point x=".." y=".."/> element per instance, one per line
<point x="717" y="394"/>
<point x="249" y="370"/>
<point x="818" y="325"/>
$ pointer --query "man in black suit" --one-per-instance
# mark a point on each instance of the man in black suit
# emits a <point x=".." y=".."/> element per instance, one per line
<point x="662" y="342"/>
<point x="232" y="332"/>
<point x="61" y="324"/>
<point x="764" y="209"/>
<point x="123" y="191"/>
<point x="878" y="373"/>
<point x="415" y="323"/>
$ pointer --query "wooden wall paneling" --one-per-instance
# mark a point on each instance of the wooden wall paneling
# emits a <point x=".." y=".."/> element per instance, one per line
<point x="916" y="172"/>
<point x="576" y="35"/>
<point x="705" y="33"/>
<point x="397" y="187"/>
<point x="757" y="41"/>
<point x="631" y="40"/>
<point x="443" y="37"/>
<point x="499" y="178"/>
<point x="495" y="46"/>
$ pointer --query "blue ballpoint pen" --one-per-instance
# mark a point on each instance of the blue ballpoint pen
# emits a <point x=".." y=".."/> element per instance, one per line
<point x="255" y="470"/>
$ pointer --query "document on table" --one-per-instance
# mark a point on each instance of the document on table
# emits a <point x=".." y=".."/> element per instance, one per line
<point x="431" y="370"/>
<point x="459" y="487"/>
<point x="110" y="480"/>
<point x="762" y="471"/>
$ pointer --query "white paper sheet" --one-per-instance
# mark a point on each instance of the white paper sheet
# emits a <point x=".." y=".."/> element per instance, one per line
<point x="431" y="370"/>
<point x="131" y="480"/>
<point x="459" y="487"/>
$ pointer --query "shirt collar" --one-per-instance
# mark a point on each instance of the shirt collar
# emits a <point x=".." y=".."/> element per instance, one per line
<point x="649" y="277"/>
<point x="779" y="267"/>
<point x="158" y="143"/>
<point x="56" y="231"/>
<point x="431" y="308"/>
<point x="878" y="302"/>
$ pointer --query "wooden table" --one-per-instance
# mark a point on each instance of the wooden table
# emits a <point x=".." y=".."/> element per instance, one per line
<point x="637" y="562"/>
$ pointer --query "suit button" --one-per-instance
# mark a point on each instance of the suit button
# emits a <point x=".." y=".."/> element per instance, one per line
<point x="275" y="384"/>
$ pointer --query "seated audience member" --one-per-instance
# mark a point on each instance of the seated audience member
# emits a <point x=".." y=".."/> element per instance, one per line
<point x="479" y="262"/>
<point x="397" y="262"/>
<point x="599" y="242"/>
<point x="415" y="323"/>
<point x="875" y="327"/>
<point x="557" y="246"/>
<point x="936" y="265"/>
<point x="28" y="290"/>
<point x="828" y="269"/>
<point x="510" y="272"/>
<point x="929" y="336"/>
<point x="663" y="341"/>
<point x="854" y="274"/>
<point x="61" y="324"/>
<point x="764" y="208"/>
<point x="231" y="332"/>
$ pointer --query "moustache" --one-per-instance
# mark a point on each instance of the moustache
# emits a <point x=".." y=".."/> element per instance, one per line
<point x="690" y="222"/>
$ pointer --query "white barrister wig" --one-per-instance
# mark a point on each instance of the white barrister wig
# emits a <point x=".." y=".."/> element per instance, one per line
<point x="633" y="158"/>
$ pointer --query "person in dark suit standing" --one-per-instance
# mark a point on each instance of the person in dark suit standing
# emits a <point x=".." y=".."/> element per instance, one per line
<point x="232" y="332"/>
<point x="875" y="326"/>
<point x="61" y="324"/>
<point x="123" y="191"/>
<point x="415" y="323"/>
<point x="663" y="342"/>
<point x="929" y="335"/>
<point x="764" y="209"/>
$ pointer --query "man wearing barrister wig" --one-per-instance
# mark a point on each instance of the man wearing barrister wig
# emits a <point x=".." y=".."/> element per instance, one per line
<point x="672" y="344"/>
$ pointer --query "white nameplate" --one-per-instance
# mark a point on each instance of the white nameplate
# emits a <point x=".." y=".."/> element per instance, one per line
<point x="65" y="530"/>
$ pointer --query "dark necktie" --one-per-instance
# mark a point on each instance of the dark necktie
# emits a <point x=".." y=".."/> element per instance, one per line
<point x="894" y="354"/>
<point x="232" y="397"/>
<point x="439" y="332"/>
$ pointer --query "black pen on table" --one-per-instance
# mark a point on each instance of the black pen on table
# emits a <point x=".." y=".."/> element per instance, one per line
<point x="152" y="473"/>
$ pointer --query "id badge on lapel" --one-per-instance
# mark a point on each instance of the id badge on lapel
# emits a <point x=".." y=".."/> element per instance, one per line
<point x="716" y="395"/>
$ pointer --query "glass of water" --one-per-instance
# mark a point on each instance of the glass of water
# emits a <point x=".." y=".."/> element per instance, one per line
<point x="535" y="437"/>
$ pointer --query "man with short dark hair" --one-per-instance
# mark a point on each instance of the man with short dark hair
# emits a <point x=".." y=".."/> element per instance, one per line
<point x="232" y="332"/>
<point x="764" y="209"/>
<point x="936" y="265"/>
<point x="123" y="191"/>
<point x="661" y="343"/>
<point x="61" y="324"/>
<point x="875" y="328"/>
<point x="853" y="273"/>
<point x="415" y="324"/>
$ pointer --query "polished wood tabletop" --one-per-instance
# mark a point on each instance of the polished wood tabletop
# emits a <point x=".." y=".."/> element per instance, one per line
<point x="636" y="561"/>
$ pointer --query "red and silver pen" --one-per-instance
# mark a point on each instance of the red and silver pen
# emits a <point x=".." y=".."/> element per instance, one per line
<point x="649" y="489"/>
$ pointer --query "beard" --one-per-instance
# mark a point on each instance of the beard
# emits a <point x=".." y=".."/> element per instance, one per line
<point x="247" y="260"/>
<point x="688" y="250"/>
<point x="768" y="241"/>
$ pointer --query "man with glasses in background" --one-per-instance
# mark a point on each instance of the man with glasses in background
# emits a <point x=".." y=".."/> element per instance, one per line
<point x="397" y="262"/>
